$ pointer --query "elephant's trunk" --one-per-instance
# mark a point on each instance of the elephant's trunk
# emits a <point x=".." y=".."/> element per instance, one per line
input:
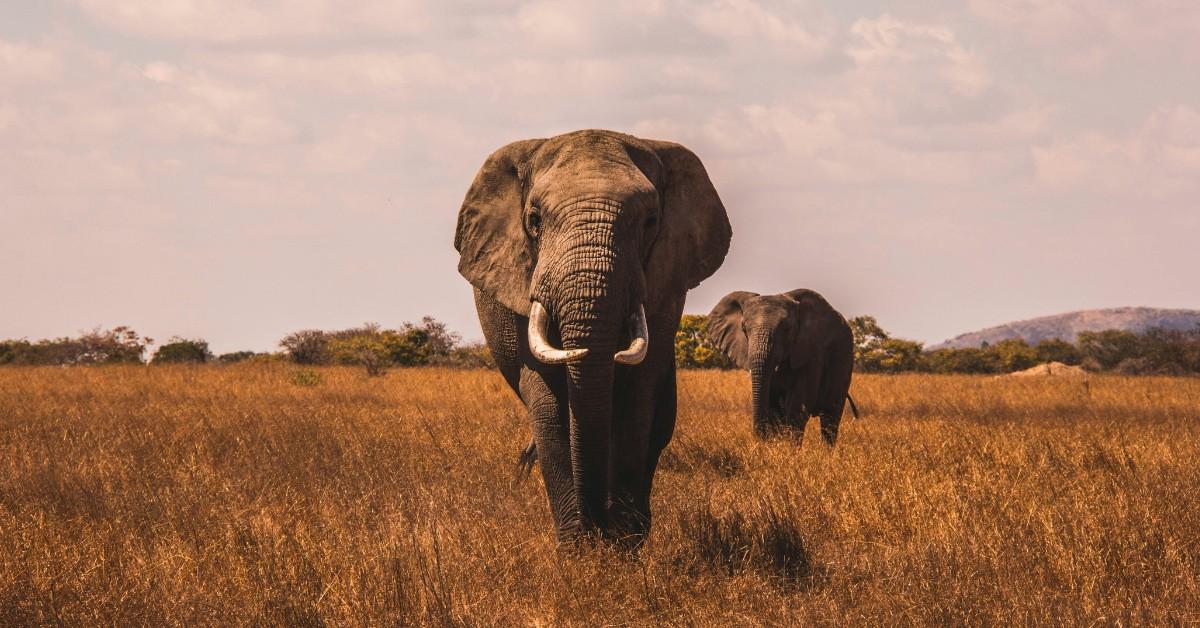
<point x="762" y="369"/>
<point x="595" y="295"/>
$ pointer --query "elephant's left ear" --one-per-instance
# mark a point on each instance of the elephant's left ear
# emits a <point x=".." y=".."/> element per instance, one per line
<point x="694" y="232"/>
<point x="725" y="327"/>
<point x="490" y="237"/>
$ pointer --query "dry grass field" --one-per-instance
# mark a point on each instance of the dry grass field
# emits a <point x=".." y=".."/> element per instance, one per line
<point x="254" y="494"/>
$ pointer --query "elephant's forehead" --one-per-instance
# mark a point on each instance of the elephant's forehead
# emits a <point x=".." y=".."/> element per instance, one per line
<point x="580" y="173"/>
<point x="768" y="306"/>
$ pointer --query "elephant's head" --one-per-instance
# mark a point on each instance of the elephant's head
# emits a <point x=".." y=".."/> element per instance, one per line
<point x="762" y="333"/>
<point x="586" y="233"/>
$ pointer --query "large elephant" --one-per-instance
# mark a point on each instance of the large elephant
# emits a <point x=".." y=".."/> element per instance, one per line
<point x="800" y="354"/>
<point x="589" y="241"/>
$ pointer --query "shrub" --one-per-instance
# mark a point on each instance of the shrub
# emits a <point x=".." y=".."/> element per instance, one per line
<point x="433" y="335"/>
<point x="409" y="347"/>
<point x="237" y="356"/>
<point x="365" y="349"/>
<point x="371" y="346"/>
<point x="308" y="346"/>
<point x="470" y="356"/>
<point x="182" y="351"/>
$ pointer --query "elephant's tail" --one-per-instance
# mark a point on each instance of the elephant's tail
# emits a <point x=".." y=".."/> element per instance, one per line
<point x="853" y="408"/>
<point x="526" y="459"/>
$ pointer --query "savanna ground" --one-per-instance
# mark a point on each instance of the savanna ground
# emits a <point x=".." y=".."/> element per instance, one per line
<point x="264" y="494"/>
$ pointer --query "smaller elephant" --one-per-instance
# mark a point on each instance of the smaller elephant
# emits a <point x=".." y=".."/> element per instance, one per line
<point x="800" y="354"/>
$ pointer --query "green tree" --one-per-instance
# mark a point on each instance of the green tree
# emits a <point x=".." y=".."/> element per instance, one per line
<point x="368" y="350"/>
<point x="1104" y="350"/>
<point x="1013" y="355"/>
<point x="868" y="336"/>
<point x="475" y="355"/>
<point x="1058" y="350"/>
<point x="875" y="351"/>
<point x="236" y="356"/>
<point x="692" y="347"/>
<point x="966" y="360"/>
<point x="119" y="345"/>
<point x="895" y="355"/>
<point x="307" y="346"/>
<point x="433" y="335"/>
<point x="182" y="351"/>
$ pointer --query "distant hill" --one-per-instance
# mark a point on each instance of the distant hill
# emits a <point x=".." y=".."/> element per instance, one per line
<point x="1067" y="326"/>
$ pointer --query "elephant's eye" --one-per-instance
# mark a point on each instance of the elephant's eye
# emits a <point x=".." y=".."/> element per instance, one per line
<point x="651" y="222"/>
<point x="535" y="222"/>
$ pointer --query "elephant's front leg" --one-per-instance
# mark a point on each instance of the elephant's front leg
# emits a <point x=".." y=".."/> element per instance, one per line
<point x="831" y="420"/>
<point x="643" y="421"/>
<point x="793" y="415"/>
<point x="544" y="391"/>
<point x="628" y="503"/>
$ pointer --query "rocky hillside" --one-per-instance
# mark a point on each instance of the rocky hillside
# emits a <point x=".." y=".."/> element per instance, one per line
<point x="1067" y="326"/>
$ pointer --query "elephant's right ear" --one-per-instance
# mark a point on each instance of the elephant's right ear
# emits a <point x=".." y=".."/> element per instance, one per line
<point x="725" y="327"/>
<point x="490" y="239"/>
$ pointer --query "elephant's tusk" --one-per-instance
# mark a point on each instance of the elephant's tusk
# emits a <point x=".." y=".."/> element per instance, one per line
<point x="641" y="339"/>
<point x="540" y="347"/>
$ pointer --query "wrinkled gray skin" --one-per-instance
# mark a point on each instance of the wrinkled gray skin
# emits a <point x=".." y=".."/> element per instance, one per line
<point x="590" y="225"/>
<point x="800" y="354"/>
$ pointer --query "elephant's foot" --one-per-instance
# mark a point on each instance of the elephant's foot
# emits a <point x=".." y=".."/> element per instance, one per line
<point x="625" y="530"/>
<point x="783" y="428"/>
<point x="829" y="429"/>
<point x="628" y="523"/>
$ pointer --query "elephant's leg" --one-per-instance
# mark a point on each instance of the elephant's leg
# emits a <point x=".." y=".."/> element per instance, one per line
<point x="830" y="422"/>
<point x="632" y="408"/>
<point x="644" y="421"/>
<point x="545" y="392"/>
<point x="835" y="384"/>
<point x="792" y="419"/>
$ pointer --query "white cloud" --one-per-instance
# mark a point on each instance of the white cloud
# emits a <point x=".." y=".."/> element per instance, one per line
<point x="189" y="103"/>
<point x="231" y="21"/>
<point x="746" y="22"/>
<point x="22" y="62"/>
<point x="1088" y="35"/>
<point x="1160" y="160"/>
<point x="922" y="60"/>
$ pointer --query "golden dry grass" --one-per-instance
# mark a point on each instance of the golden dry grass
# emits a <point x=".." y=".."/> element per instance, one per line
<point x="236" y="495"/>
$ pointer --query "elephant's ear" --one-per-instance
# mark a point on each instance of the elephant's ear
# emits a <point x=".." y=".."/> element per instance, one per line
<point x="694" y="231"/>
<point x="490" y="239"/>
<point x="725" y="327"/>
<point x="815" y="327"/>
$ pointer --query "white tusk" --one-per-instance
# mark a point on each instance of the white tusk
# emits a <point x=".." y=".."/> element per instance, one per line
<point x="540" y="347"/>
<point x="641" y="339"/>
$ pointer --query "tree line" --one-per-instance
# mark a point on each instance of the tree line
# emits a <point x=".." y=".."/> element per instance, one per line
<point x="1153" y="352"/>
<point x="429" y="342"/>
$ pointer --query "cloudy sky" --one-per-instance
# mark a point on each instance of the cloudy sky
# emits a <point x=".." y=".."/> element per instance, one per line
<point x="237" y="170"/>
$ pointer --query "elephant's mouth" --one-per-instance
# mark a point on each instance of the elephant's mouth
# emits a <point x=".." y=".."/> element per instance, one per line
<point x="547" y="353"/>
